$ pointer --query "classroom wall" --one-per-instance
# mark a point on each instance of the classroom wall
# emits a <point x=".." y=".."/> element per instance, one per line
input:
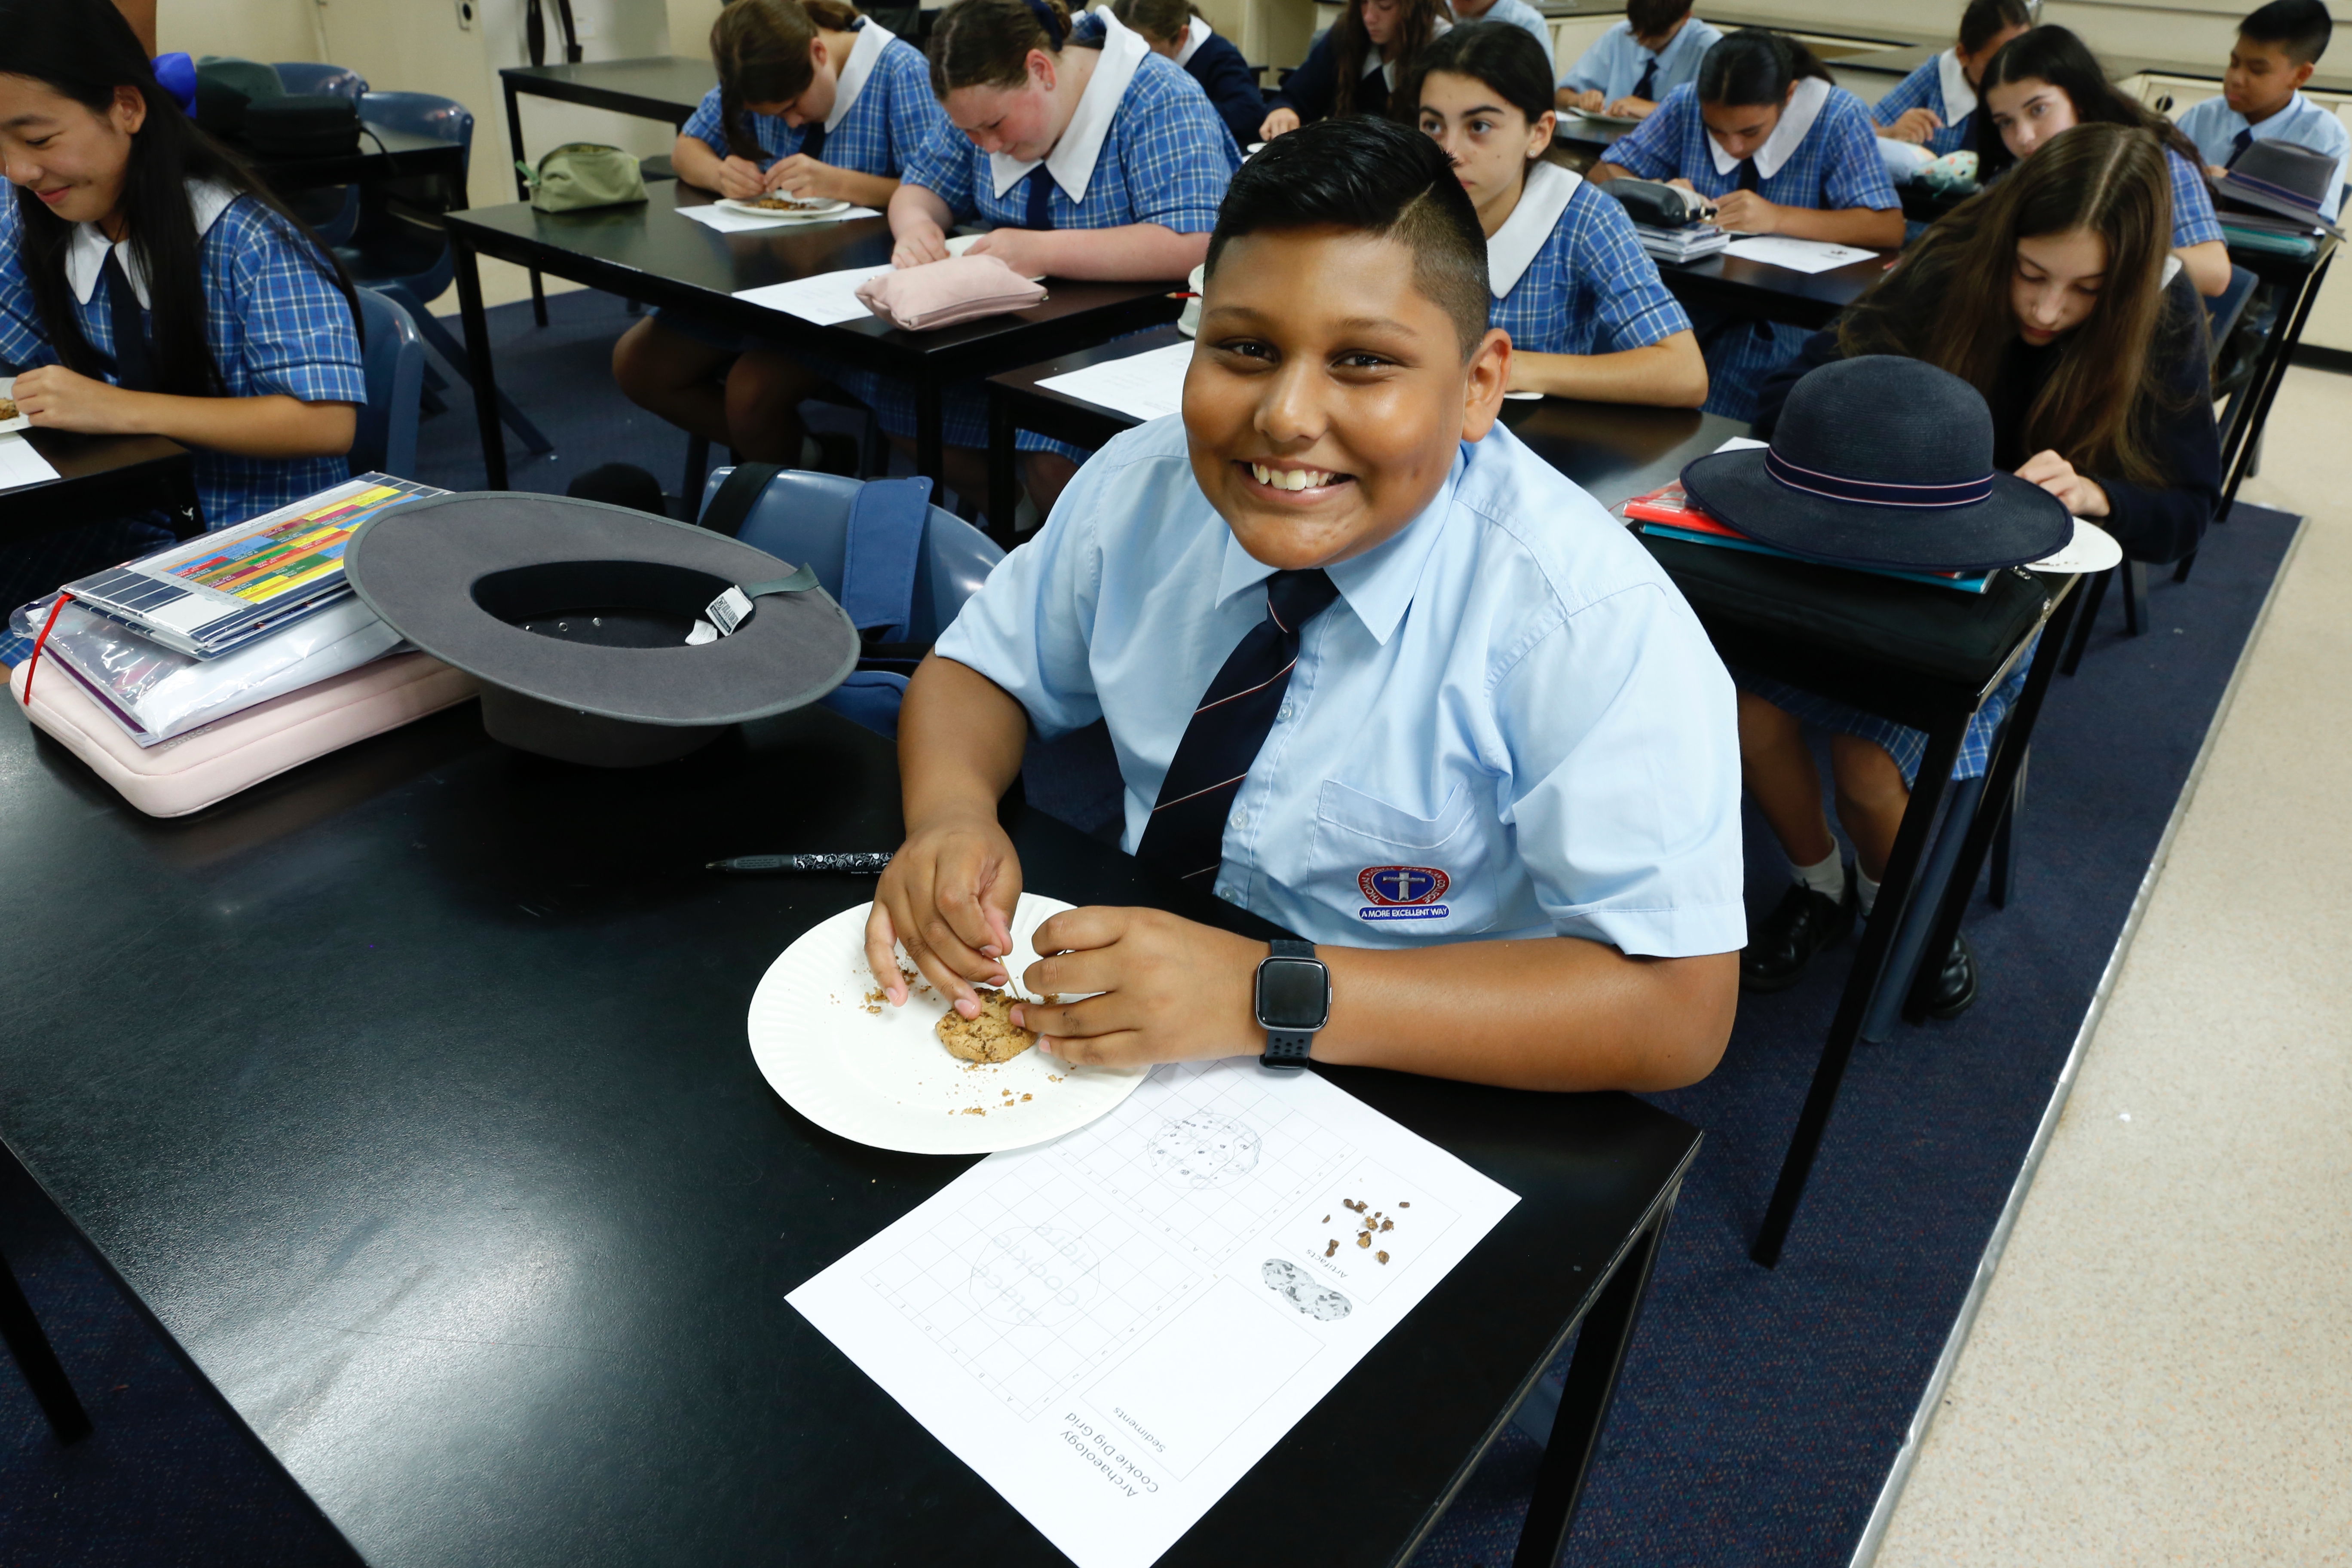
<point x="251" y="29"/>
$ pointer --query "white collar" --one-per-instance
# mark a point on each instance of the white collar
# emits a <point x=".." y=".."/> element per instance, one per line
<point x="1072" y="160"/>
<point x="86" y="251"/>
<point x="1796" y="121"/>
<point x="873" y="38"/>
<point x="2277" y="122"/>
<point x="1959" y="98"/>
<point x="1542" y="201"/>
<point x="1194" y="36"/>
<point x="1388" y="69"/>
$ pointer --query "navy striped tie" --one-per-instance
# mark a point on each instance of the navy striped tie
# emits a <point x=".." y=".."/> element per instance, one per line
<point x="1649" y="78"/>
<point x="1185" y="837"/>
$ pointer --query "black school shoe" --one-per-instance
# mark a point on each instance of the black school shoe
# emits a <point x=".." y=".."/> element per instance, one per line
<point x="1956" y="987"/>
<point x="1806" y="922"/>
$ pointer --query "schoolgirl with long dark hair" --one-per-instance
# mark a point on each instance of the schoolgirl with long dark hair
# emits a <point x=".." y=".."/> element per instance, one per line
<point x="1356" y="63"/>
<point x="150" y="285"/>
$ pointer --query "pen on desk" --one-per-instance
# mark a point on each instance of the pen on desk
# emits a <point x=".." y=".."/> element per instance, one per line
<point x="856" y="863"/>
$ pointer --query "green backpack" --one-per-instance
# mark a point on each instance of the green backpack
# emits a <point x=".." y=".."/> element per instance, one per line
<point x="583" y="174"/>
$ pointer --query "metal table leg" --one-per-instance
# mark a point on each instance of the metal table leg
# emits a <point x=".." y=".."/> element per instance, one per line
<point x="1869" y="966"/>
<point x="2264" y="387"/>
<point x="1600" y="1346"/>
<point x="522" y="190"/>
<point x="39" y="1361"/>
<point x="478" y="353"/>
<point x="1004" y="469"/>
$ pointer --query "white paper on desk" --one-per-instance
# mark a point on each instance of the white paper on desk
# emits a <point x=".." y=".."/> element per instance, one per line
<point x="828" y="299"/>
<point x="725" y="220"/>
<point x="1099" y="1327"/>
<point x="1798" y="255"/>
<point x="1147" y="386"/>
<point x="20" y="465"/>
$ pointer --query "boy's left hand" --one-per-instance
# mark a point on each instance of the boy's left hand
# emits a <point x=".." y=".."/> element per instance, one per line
<point x="1748" y="212"/>
<point x="56" y="399"/>
<point x="1171" y="989"/>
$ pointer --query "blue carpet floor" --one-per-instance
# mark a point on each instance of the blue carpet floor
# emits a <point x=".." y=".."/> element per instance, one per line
<point x="1759" y="1410"/>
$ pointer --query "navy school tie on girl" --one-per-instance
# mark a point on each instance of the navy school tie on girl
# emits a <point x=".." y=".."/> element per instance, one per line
<point x="1185" y="837"/>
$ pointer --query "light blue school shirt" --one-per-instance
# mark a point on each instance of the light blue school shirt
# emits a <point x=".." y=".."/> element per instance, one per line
<point x="1509" y="692"/>
<point x="1518" y="13"/>
<point x="2214" y="125"/>
<point x="1613" y="64"/>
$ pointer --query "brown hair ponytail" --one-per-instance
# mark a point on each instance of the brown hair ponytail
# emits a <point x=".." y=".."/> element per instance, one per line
<point x="761" y="50"/>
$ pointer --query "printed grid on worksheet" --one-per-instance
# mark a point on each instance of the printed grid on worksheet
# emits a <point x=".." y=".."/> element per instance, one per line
<point x="1210" y="1208"/>
<point x="1032" y="1285"/>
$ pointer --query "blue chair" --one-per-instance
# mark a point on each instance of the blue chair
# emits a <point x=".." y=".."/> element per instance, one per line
<point x="407" y="261"/>
<point x="386" y="440"/>
<point x="2222" y="311"/>
<point x="803" y="517"/>
<point x="303" y="77"/>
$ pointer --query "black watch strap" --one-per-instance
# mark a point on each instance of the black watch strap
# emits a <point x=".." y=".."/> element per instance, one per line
<point x="1287" y="1050"/>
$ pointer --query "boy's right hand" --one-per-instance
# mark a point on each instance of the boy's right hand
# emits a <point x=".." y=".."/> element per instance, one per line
<point x="919" y="243"/>
<point x="948" y="898"/>
<point x="742" y="180"/>
<point x="1590" y="101"/>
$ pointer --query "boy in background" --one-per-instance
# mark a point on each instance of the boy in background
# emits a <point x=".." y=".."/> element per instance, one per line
<point x="2277" y="49"/>
<point x="1373" y="671"/>
<point x="1517" y="13"/>
<point x="1653" y="51"/>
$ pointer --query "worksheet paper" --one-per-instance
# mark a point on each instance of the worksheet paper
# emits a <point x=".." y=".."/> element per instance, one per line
<point x="727" y="220"/>
<point x="20" y="465"/>
<point x="1113" y="1327"/>
<point x="1147" y="386"/>
<point x="1798" y="255"/>
<point x="827" y="299"/>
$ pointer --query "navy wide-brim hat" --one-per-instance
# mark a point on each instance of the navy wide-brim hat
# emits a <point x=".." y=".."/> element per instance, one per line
<point x="1883" y="461"/>
<point x="576" y="616"/>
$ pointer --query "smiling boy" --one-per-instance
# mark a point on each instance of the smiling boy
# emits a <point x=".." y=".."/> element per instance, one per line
<point x="1372" y="670"/>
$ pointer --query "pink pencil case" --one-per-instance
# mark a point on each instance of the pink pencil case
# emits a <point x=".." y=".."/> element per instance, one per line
<point x="192" y="771"/>
<point x="945" y="293"/>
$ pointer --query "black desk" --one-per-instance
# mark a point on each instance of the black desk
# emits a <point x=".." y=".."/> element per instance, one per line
<point x="1922" y="656"/>
<point x="410" y="1098"/>
<point x="648" y="252"/>
<point x="668" y="87"/>
<point x="384" y="153"/>
<point x="1761" y="291"/>
<point x="100" y="477"/>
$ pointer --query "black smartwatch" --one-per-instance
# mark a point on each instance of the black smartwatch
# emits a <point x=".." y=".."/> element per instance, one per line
<point x="1293" y="1000"/>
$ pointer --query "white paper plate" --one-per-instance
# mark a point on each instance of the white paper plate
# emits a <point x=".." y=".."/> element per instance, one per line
<point x="754" y="209"/>
<point x="2092" y="548"/>
<point x="22" y="421"/>
<point x="1624" y="121"/>
<point x="877" y="1074"/>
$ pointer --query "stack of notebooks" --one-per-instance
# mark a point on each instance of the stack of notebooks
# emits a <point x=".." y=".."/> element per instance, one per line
<point x="1692" y="244"/>
<point x="2263" y="231"/>
<point x="1671" y="514"/>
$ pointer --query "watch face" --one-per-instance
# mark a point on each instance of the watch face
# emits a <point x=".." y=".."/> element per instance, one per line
<point x="1293" y="993"/>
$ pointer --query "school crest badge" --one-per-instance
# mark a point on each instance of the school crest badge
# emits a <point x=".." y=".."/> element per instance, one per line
<point x="1402" y="892"/>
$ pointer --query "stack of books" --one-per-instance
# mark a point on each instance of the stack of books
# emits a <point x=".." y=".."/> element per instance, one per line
<point x="1692" y="244"/>
<point x="1671" y="514"/>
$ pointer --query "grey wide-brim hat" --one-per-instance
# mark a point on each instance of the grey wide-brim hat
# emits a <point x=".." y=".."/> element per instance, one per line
<point x="1888" y="462"/>
<point x="575" y="616"/>
<point x="2281" y="177"/>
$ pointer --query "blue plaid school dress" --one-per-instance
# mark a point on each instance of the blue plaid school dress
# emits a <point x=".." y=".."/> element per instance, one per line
<point x="1591" y="289"/>
<point x="1924" y="89"/>
<point x="1836" y="167"/>
<point x="1908" y="746"/>
<point x="1166" y="158"/>
<point x="2193" y="222"/>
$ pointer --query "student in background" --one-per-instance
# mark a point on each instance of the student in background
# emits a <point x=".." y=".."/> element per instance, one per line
<point x="1094" y="157"/>
<point x="1177" y="31"/>
<point x="1764" y="134"/>
<point x="1935" y="105"/>
<point x="150" y="285"/>
<point x="812" y="100"/>
<point x="1631" y="67"/>
<point x="2048" y="295"/>
<point x="1429" y="638"/>
<point x="1571" y="284"/>
<point x="2043" y="83"/>
<point x="1356" y="63"/>
<point x="1516" y="13"/>
<point x="2262" y="97"/>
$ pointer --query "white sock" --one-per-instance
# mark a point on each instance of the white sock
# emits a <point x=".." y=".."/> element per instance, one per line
<point x="1865" y="891"/>
<point x="1827" y="878"/>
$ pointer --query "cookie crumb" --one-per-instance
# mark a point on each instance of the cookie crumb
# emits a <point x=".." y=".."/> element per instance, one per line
<point x="1024" y="1096"/>
<point x="1381" y="1256"/>
<point x="1327" y="1219"/>
<point x="1404" y="1205"/>
<point x="1388" y="1225"/>
<point x="1365" y="1239"/>
<point x="1333" y="1247"/>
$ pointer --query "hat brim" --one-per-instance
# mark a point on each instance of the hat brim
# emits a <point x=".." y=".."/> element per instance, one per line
<point x="2017" y="524"/>
<point x="459" y="575"/>
<point x="2262" y="201"/>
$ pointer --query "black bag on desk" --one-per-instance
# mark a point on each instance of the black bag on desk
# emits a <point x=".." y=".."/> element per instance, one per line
<point x="1658" y="205"/>
<point x="302" y="125"/>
